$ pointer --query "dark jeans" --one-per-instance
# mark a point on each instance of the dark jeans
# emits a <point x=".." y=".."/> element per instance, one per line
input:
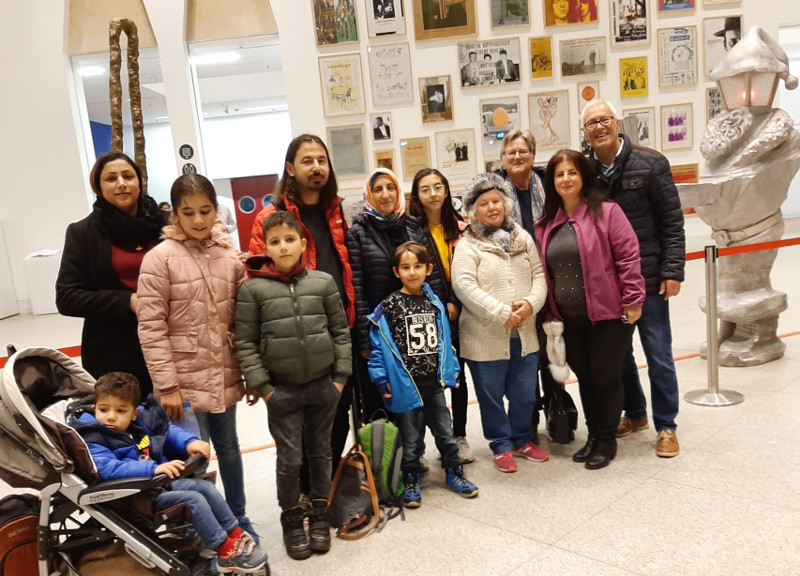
<point x="221" y="429"/>
<point x="211" y="517"/>
<point x="459" y="399"/>
<point x="595" y="351"/>
<point x="655" y="334"/>
<point x="411" y="424"/>
<point x="302" y="416"/>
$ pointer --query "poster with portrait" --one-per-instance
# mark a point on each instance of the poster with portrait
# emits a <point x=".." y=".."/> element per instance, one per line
<point x="434" y="19"/>
<point x="582" y="57"/>
<point x="415" y="154"/>
<point x="390" y="74"/>
<point x="675" y="5"/>
<point x="485" y="63"/>
<point x="676" y="127"/>
<point x="456" y="155"/>
<point x="646" y="124"/>
<point x="677" y="56"/>
<point x="541" y="58"/>
<point x="633" y="77"/>
<point x="334" y="22"/>
<point x="714" y="103"/>
<point x="507" y="13"/>
<point x="436" y="99"/>
<point x="348" y="148"/>
<point x="499" y="116"/>
<point x="385" y="159"/>
<point x="719" y="36"/>
<point x="569" y="12"/>
<point x="385" y="18"/>
<point x="630" y="24"/>
<point x="342" y="87"/>
<point x="381" y="124"/>
<point x="549" y="119"/>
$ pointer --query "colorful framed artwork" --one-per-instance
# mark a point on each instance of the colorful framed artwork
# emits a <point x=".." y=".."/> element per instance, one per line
<point x="549" y="119"/>
<point x="508" y="13"/>
<point x="630" y="23"/>
<point x="334" y="22"/>
<point x="456" y="154"/>
<point x="677" y="56"/>
<point x="633" y="77"/>
<point x="415" y="154"/>
<point x="541" y="57"/>
<point x="342" y="86"/>
<point x="685" y="173"/>
<point x="569" y="12"/>
<point x="499" y="116"/>
<point x="390" y="74"/>
<point x="436" y="99"/>
<point x="582" y="57"/>
<point x="587" y="91"/>
<point x="435" y="19"/>
<point x="381" y="124"/>
<point x="348" y="148"/>
<point x="675" y="5"/>
<point x="384" y="159"/>
<point x="645" y="119"/>
<point x="676" y="127"/>
<point x="720" y="34"/>
<point x="492" y="62"/>
<point x="385" y="18"/>
<point x="715" y="105"/>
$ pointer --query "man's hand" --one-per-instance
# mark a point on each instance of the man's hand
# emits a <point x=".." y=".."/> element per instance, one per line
<point x="633" y="313"/>
<point x="669" y="288"/>
<point x="339" y="386"/>
<point x="198" y="447"/>
<point x="172" y="469"/>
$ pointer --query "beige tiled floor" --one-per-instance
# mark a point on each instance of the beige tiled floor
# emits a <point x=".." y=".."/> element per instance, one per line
<point x="728" y="505"/>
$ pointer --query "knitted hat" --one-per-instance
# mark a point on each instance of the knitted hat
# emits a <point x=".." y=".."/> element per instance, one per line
<point x="484" y="183"/>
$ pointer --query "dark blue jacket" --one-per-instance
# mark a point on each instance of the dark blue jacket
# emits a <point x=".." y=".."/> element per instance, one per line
<point x="115" y="453"/>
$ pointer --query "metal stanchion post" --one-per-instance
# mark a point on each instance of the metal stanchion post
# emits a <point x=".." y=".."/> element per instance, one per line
<point x="713" y="396"/>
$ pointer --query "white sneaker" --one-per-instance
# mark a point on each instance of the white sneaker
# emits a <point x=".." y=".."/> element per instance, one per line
<point x="465" y="454"/>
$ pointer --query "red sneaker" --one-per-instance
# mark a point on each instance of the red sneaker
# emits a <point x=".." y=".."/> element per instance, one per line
<point x="531" y="451"/>
<point x="505" y="462"/>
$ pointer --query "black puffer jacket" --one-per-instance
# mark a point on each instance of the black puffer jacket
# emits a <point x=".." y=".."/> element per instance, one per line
<point x="371" y="244"/>
<point x="644" y="189"/>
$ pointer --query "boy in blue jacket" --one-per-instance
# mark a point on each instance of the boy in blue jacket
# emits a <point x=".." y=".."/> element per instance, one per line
<point x="129" y="440"/>
<point x="412" y="361"/>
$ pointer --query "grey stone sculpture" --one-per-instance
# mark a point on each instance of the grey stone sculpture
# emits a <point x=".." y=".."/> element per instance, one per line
<point x="752" y="152"/>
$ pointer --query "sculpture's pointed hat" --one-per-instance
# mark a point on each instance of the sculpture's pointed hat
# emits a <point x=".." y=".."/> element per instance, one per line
<point x="756" y="52"/>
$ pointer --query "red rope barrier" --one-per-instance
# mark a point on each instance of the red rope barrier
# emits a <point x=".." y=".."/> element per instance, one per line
<point x="760" y="246"/>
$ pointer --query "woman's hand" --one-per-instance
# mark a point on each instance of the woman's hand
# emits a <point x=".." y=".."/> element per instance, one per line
<point x="452" y="311"/>
<point x="523" y="308"/>
<point x="251" y="397"/>
<point x="198" y="447"/>
<point x="173" y="405"/>
<point x="633" y="313"/>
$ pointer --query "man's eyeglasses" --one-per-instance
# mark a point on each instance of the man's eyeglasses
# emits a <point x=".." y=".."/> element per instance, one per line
<point x="593" y="124"/>
<point x="520" y="153"/>
<point x="438" y="188"/>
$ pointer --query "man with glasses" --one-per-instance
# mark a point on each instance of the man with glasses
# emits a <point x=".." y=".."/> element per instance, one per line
<point x="640" y="181"/>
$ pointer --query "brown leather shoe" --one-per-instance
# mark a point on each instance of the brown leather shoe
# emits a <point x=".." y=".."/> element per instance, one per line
<point x="667" y="445"/>
<point x="627" y="426"/>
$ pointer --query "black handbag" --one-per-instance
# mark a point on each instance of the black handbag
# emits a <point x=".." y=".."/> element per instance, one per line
<point x="561" y="416"/>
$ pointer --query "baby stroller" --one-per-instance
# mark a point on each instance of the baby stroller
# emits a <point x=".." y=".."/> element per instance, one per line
<point x="80" y="512"/>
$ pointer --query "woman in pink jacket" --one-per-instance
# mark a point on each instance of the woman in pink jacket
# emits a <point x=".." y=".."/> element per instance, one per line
<point x="186" y="309"/>
<point x="595" y="285"/>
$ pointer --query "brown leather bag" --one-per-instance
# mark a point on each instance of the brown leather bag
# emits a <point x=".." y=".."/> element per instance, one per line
<point x="353" y="500"/>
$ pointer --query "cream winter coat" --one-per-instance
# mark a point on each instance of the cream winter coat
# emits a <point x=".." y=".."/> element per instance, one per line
<point x="186" y="308"/>
<point x="487" y="280"/>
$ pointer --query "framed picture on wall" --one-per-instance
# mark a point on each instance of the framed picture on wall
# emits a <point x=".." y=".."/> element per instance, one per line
<point x="436" y="99"/>
<point x="685" y="173"/>
<point x="435" y="19"/>
<point x="385" y="18"/>
<point x="549" y="118"/>
<point x="507" y="13"/>
<point x="390" y="74"/>
<point x="583" y="56"/>
<point x="569" y="12"/>
<point x="384" y="159"/>
<point x="677" y="56"/>
<point x="676" y="127"/>
<point x="342" y="87"/>
<point x="541" y="57"/>
<point x="675" y="5"/>
<point x="348" y="148"/>
<point x="498" y="117"/>
<point x="334" y="22"/>
<point x="456" y="155"/>
<point x="381" y="124"/>
<point x="646" y="121"/>
<point x="587" y="91"/>
<point x="415" y="154"/>
<point x="720" y="2"/>
<point x="630" y="23"/>
<point x="714" y="103"/>
<point x="493" y="62"/>
<point x="633" y="77"/>
<point x="719" y="36"/>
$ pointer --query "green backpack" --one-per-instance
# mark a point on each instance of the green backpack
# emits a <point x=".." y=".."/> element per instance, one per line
<point x="381" y="443"/>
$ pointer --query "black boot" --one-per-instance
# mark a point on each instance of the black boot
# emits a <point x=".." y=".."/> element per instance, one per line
<point x="582" y="455"/>
<point x="602" y="455"/>
<point x="294" y="533"/>
<point x="319" y="529"/>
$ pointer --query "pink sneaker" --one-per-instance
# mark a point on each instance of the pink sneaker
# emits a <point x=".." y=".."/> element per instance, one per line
<point x="505" y="462"/>
<point x="531" y="451"/>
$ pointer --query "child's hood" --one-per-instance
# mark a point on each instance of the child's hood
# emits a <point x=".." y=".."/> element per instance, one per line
<point x="262" y="266"/>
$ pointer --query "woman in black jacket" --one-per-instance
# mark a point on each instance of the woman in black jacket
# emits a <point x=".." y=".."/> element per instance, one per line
<point x="100" y="268"/>
<point x="371" y="242"/>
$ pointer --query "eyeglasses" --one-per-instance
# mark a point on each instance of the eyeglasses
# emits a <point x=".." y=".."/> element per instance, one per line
<point x="438" y="188"/>
<point x="593" y="124"/>
<point x="520" y="153"/>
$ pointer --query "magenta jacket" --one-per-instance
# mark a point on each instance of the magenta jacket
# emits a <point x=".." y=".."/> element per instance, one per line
<point x="609" y="259"/>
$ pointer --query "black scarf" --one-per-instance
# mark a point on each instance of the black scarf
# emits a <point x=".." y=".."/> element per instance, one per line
<point x="143" y="228"/>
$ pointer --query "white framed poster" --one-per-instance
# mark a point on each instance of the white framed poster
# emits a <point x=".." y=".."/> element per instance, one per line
<point x="676" y="127"/>
<point x="342" y="87"/>
<point x="583" y="56"/>
<point x="499" y="116"/>
<point x="677" y="56"/>
<point x="549" y="117"/>
<point x="456" y="154"/>
<point x="630" y="23"/>
<point x="390" y="74"/>
<point x="385" y="18"/>
<point x="348" y="148"/>
<point x="646" y="121"/>
<point x="493" y="62"/>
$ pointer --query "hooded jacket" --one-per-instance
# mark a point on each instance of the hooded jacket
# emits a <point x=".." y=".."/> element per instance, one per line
<point x="187" y="296"/>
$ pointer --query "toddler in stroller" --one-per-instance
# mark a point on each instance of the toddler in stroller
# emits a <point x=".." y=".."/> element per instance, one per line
<point x="38" y="382"/>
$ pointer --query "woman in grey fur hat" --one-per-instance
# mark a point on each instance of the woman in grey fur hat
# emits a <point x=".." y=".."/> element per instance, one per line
<point x="498" y="277"/>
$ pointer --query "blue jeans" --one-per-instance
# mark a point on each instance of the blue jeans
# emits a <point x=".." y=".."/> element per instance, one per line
<point x="656" y="337"/>
<point x="516" y="379"/>
<point x="211" y="516"/>
<point x="411" y="424"/>
<point x="221" y="428"/>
